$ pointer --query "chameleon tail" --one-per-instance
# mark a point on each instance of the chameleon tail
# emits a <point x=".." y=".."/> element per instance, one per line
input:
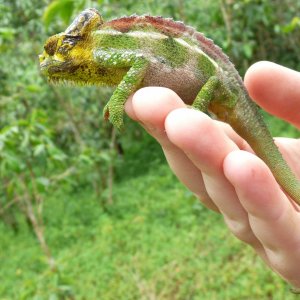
<point x="248" y="123"/>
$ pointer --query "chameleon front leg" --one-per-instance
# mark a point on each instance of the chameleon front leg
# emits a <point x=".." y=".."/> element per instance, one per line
<point x="114" y="109"/>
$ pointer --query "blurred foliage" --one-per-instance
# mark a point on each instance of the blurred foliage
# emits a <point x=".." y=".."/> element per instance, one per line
<point x="53" y="139"/>
<point x="156" y="242"/>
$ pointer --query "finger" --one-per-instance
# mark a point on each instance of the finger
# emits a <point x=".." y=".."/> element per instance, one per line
<point x="157" y="117"/>
<point x="272" y="217"/>
<point x="207" y="145"/>
<point x="290" y="151"/>
<point x="150" y="106"/>
<point x="276" y="89"/>
<point x="240" y="142"/>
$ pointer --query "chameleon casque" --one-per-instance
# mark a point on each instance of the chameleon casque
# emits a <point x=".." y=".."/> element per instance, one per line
<point x="137" y="51"/>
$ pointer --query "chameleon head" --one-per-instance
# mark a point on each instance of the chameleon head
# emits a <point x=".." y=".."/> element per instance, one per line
<point x="66" y="54"/>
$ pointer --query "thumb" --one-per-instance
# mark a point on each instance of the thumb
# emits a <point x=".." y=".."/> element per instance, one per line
<point x="276" y="89"/>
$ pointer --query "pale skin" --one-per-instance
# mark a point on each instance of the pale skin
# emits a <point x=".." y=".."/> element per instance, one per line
<point x="219" y="167"/>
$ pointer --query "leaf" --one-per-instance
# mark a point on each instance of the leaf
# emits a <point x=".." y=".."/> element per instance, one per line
<point x="247" y="49"/>
<point x="292" y="25"/>
<point x="67" y="11"/>
<point x="39" y="149"/>
<point x="85" y="159"/>
<point x="59" y="156"/>
<point x="26" y="139"/>
<point x="12" y="163"/>
<point x="43" y="181"/>
<point x="105" y="156"/>
<point x="62" y="8"/>
<point x="7" y="33"/>
<point x="33" y="88"/>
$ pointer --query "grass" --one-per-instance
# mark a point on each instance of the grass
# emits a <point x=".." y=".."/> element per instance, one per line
<point x="155" y="242"/>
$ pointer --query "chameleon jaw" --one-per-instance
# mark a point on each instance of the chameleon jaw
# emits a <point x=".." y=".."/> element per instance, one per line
<point x="47" y="63"/>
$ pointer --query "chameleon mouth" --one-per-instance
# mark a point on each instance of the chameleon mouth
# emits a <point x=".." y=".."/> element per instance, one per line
<point x="64" y="73"/>
<point x="56" y="69"/>
<point x="46" y="64"/>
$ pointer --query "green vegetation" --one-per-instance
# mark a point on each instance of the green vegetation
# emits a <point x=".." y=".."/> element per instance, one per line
<point x="88" y="213"/>
<point x="156" y="242"/>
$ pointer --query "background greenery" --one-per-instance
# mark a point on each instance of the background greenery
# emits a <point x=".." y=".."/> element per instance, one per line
<point x="88" y="213"/>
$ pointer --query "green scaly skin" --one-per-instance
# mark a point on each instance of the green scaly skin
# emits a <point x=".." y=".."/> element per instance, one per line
<point x="137" y="51"/>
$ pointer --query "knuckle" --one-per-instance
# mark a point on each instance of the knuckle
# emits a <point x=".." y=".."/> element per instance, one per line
<point x="241" y="230"/>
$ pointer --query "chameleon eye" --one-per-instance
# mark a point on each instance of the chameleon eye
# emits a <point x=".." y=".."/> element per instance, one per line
<point x="50" y="46"/>
<point x="68" y="43"/>
<point x="71" y="40"/>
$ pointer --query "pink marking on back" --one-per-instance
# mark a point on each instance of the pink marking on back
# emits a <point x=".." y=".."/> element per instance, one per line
<point x="171" y="28"/>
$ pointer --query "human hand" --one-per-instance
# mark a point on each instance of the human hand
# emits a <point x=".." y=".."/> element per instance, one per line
<point x="219" y="167"/>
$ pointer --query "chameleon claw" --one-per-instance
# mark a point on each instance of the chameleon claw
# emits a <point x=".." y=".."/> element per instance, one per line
<point x="106" y="113"/>
<point x="114" y="116"/>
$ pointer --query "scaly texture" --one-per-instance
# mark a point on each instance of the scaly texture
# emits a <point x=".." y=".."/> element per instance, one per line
<point x="136" y="51"/>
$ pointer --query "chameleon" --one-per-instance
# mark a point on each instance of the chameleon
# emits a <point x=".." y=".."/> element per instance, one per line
<point x="137" y="51"/>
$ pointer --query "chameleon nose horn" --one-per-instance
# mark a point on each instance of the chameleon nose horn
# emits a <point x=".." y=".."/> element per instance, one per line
<point x="87" y="21"/>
